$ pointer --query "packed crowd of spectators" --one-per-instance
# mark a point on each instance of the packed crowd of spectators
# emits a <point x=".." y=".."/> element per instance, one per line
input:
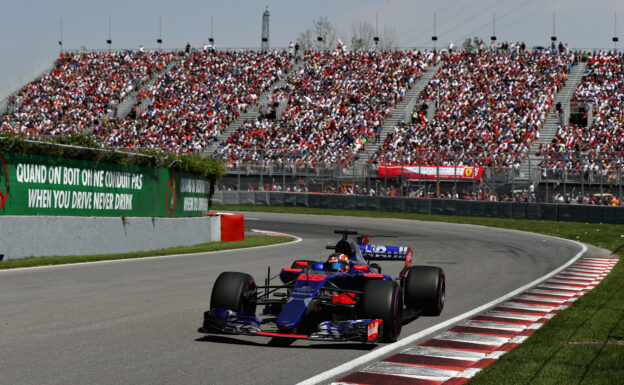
<point x="489" y="108"/>
<point x="599" y="146"/>
<point x="80" y="89"/>
<point x="335" y="103"/>
<point x="193" y="103"/>
<point x="474" y="193"/>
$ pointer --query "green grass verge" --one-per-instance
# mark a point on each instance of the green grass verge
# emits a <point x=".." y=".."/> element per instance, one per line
<point x="202" y="248"/>
<point x="582" y="345"/>
<point x="607" y="236"/>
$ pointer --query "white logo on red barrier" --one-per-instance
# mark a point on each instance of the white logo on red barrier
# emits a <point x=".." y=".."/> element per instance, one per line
<point x="385" y="171"/>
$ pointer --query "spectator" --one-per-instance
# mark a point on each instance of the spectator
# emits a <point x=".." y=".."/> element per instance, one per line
<point x="191" y="104"/>
<point x="336" y="101"/>
<point x="82" y="89"/>
<point x="490" y="108"/>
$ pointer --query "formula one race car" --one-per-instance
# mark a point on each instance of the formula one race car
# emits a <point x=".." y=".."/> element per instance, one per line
<point x="345" y="298"/>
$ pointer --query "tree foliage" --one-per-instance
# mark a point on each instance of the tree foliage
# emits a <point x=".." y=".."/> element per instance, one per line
<point x="321" y="28"/>
<point x="388" y="39"/>
<point x="472" y="45"/>
<point x="84" y="147"/>
<point x="362" y="35"/>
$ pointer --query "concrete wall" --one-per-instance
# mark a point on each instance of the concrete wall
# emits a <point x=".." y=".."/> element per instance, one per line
<point x="27" y="236"/>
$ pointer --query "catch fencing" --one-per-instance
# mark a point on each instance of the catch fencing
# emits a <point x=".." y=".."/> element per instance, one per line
<point x="574" y="178"/>
<point x="543" y="211"/>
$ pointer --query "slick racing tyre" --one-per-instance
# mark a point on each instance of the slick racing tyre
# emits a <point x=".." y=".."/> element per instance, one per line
<point x="424" y="290"/>
<point x="234" y="291"/>
<point x="382" y="300"/>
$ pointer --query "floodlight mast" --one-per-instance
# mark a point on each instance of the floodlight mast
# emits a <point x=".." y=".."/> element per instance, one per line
<point x="434" y="38"/>
<point x="60" y="42"/>
<point x="264" y="46"/>
<point x="109" y="41"/>
<point x="615" y="37"/>
<point x="159" y="40"/>
<point x="493" y="37"/>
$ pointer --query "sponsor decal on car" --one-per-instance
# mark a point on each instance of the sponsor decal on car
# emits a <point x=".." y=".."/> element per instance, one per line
<point x="373" y="330"/>
<point x="311" y="277"/>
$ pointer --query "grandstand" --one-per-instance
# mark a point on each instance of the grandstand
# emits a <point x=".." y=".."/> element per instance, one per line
<point x="190" y="105"/>
<point x="80" y="89"/>
<point x="350" y="112"/>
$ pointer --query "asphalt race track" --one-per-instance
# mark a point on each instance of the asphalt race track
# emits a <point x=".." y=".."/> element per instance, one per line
<point x="136" y="321"/>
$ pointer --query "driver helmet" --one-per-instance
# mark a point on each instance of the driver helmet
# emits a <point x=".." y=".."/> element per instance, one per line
<point x="338" y="262"/>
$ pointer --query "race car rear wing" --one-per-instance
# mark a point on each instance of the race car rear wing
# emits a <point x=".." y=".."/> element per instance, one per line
<point x="388" y="253"/>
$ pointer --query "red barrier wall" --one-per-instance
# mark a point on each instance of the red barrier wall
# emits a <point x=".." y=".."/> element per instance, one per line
<point x="232" y="228"/>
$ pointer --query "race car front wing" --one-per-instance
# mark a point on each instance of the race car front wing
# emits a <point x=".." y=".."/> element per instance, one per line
<point x="222" y="321"/>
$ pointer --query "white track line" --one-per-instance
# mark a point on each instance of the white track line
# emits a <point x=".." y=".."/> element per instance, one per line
<point x="65" y="265"/>
<point x="384" y="350"/>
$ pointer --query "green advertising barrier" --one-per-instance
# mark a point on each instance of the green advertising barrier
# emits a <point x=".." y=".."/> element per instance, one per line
<point x="42" y="185"/>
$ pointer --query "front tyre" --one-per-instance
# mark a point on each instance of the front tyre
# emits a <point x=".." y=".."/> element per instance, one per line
<point x="383" y="300"/>
<point x="425" y="288"/>
<point x="234" y="291"/>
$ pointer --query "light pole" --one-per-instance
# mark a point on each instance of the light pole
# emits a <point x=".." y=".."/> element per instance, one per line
<point x="109" y="41"/>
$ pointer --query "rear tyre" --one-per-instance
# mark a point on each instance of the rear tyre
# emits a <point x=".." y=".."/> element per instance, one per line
<point x="425" y="290"/>
<point x="383" y="300"/>
<point x="234" y="291"/>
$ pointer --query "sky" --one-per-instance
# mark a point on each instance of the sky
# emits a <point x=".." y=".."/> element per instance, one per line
<point x="30" y="29"/>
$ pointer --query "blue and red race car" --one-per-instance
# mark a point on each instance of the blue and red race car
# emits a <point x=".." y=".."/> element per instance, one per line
<point x="345" y="298"/>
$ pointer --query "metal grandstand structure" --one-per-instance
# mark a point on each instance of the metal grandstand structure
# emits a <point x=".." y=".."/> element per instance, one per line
<point x="506" y="180"/>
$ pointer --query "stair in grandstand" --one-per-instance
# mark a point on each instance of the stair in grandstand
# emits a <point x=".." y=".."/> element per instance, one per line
<point x="252" y="112"/>
<point x="529" y="168"/>
<point x="6" y="90"/>
<point x="126" y="105"/>
<point x="402" y="112"/>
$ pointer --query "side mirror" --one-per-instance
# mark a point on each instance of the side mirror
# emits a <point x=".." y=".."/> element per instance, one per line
<point x="376" y="267"/>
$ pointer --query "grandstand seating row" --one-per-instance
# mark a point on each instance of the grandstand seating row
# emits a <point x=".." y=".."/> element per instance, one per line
<point x="600" y="145"/>
<point x="489" y="105"/>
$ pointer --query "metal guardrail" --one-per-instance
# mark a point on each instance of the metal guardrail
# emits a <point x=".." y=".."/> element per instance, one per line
<point x="537" y="211"/>
<point x="548" y="182"/>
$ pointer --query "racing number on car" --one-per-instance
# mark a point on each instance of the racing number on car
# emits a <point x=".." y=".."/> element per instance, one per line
<point x="4" y="182"/>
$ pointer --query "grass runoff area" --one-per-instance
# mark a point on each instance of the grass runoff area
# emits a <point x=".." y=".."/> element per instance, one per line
<point x="583" y="344"/>
<point x="250" y="241"/>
